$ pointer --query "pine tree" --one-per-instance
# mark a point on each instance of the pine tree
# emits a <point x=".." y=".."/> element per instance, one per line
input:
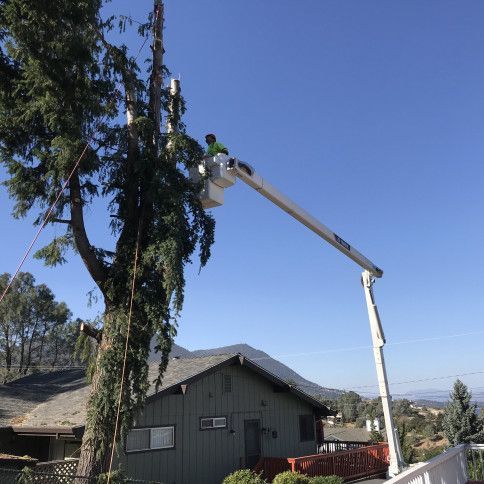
<point x="461" y="423"/>
<point x="59" y="79"/>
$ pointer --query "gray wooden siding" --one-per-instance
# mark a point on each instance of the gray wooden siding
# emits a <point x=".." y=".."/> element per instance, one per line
<point x="207" y="456"/>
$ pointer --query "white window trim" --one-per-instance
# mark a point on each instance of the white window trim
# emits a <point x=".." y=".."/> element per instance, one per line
<point x="213" y="426"/>
<point x="144" y="429"/>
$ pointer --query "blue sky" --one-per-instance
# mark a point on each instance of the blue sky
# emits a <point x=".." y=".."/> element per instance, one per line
<point x="368" y="114"/>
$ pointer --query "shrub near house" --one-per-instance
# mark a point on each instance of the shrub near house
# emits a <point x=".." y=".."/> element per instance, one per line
<point x="246" y="476"/>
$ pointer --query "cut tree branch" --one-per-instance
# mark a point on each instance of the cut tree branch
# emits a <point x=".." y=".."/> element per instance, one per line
<point x="61" y="221"/>
<point x="92" y="332"/>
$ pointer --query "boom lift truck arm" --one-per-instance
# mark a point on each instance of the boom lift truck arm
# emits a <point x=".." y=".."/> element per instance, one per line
<point x="220" y="172"/>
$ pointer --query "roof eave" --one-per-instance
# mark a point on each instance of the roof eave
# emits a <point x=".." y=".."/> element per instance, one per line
<point x="44" y="431"/>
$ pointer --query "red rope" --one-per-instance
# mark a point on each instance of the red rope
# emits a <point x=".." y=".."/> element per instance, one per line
<point x="44" y="223"/>
<point x="51" y="209"/>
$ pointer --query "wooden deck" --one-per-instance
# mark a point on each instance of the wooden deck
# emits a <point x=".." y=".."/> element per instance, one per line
<point x="350" y="465"/>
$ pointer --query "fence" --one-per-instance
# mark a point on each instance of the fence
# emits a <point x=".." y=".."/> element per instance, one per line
<point x="269" y="467"/>
<point x="451" y="466"/>
<point x="35" y="476"/>
<point x="329" y="446"/>
<point x="475" y="461"/>
<point x="351" y="464"/>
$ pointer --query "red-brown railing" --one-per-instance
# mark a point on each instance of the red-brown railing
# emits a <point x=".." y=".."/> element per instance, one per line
<point x="269" y="467"/>
<point x="349" y="464"/>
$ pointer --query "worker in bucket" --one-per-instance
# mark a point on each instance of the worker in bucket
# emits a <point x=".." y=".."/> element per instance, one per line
<point x="214" y="147"/>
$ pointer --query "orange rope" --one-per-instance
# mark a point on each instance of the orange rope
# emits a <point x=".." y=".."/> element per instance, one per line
<point x="125" y="356"/>
<point x="118" y="411"/>
<point x="59" y="194"/>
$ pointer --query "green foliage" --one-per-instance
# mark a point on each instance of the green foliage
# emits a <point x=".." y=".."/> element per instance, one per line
<point x="35" y="329"/>
<point x="326" y="480"/>
<point x="406" y="444"/>
<point x="58" y="91"/>
<point x="403" y="408"/>
<point x="331" y="403"/>
<point x="243" y="476"/>
<point x="117" y="477"/>
<point x="475" y="465"/>
<point x="376" y="437"/>
<point x="85" y="350"/>
<point x="369" y="409"/>
<point x="289" y="477"/>
<point x="417" y="423"/>
<point x="348" y="404"/>
<point x="53" y="253"/>
<point x="461" y="423"/>
<point x="26" y="476"/>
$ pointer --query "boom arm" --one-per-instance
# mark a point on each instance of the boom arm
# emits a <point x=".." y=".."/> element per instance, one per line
<point x="220" y="172"/>
<point x="248" y="175"/>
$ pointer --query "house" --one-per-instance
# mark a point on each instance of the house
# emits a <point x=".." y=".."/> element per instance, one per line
<point x="211" y="416"/>
<point x="346" y="434"/>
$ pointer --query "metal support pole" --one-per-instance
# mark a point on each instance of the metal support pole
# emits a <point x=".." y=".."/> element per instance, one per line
<point x="396" y="459"/>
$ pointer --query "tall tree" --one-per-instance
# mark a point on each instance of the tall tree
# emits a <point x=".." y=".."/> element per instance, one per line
<point x="461" y="423"/>
<point x="348" y="405"/>
<point x="58" y="91"/>
<point x="33" y="326"/>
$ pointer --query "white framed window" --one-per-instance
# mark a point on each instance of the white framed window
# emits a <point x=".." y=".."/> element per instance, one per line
<point x="207" y="423"/>
<point x="150" y="438"/>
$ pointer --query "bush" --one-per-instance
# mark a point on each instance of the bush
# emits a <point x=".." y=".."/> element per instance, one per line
<point x="244" y="476"/>
<point x="289" y="477"/>
<point x="326" y="480"/>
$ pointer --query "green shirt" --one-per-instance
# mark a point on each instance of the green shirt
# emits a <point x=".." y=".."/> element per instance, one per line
<point x="215" y="148"/>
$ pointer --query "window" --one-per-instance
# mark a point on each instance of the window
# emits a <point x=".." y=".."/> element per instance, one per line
<point x="72" y="450"/>
<point x="306" y="428"/>
<point x="227" y="383"/>
<point x="150" y="439"/>
<point x="213" y="423"/>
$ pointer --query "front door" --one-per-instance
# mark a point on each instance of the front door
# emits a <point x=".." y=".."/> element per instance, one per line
<point x="252" y="442"/>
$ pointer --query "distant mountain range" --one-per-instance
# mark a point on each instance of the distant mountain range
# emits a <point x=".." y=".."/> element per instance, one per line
<point x="429" y="397"/>
<point x="263" y="359"/>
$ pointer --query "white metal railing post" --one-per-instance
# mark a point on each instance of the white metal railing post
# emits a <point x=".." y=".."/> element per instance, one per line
<point x="378" y="338"/>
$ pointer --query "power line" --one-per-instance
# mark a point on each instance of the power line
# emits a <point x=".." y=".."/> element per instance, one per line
<point x="369" y="347"/>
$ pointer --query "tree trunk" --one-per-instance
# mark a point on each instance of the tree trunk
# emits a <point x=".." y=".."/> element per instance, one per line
<point x="91" y="463"/>
<point x="156" y="80"/>
<point x="100" y="425"/>
<point x="29" y="352"/>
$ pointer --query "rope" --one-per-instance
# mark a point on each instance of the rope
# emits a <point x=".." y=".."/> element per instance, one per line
<point x="59" y="194"/>
<point x="121" y="386"/>
<point x="44" y="223"/>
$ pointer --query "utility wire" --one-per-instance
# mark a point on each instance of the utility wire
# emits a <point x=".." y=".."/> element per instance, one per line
<point x="369" y="347"/>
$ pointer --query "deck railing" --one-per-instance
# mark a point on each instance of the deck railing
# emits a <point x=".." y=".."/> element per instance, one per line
<point x="329" y="446"/>
<point x="475" y="461"/>
<point x="456" y="465"/>
<point x="269" y="467"/>
<point x="350" y="464"/>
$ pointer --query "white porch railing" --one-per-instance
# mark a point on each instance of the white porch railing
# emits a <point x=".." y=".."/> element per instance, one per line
<point x="451" y="467"/>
